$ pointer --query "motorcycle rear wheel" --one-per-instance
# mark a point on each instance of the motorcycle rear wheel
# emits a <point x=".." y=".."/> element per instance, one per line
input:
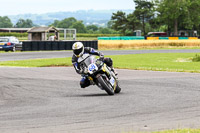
<point x="106" y="86"/>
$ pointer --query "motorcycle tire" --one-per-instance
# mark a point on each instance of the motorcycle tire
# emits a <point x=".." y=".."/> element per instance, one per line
<point x="118" y="89"/>
<point x="106" y="86"/>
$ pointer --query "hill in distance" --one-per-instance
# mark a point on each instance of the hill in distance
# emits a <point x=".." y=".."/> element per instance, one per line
<point x="97" y="17"/>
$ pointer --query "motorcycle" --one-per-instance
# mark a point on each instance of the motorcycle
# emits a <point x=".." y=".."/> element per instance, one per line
<point x="99" y="74"/>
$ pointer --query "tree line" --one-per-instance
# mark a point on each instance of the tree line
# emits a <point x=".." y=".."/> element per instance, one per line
<point x="149" y="16"/>
<point x="159" y="15"/>
<point x="71" y="22"/>
<point x="5" y="22"/>
<point x="81" y="28"/>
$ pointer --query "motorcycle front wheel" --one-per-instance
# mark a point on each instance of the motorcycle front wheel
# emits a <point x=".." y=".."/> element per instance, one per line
<point x="118" y="89"/>
<point x="106" y="85"/>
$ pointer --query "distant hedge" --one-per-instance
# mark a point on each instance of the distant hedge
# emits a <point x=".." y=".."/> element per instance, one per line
<point x="95" y="35"/>
<point x="61" y="34"/>
<point x="13" y="34"/>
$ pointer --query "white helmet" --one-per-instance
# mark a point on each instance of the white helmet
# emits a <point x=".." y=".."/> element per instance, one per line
<point x="78" y="49"/>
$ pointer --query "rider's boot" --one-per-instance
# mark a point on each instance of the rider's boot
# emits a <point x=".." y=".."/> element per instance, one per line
<point x="115" y="72"/>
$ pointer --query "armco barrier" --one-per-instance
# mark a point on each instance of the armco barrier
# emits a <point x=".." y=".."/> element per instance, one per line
<point x="163" y="38"/>
<point x="146" y="38"/>
<point x="152" y="38"/>
<point x="183" y="38"/>
<point x="122" y="38"/>
<point x="54" y="45"/>
<point x="173" y="38"/>
<point x="193" y="38"/>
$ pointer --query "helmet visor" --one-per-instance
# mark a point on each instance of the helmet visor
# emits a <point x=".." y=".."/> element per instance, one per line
<point x="78" y="51"/>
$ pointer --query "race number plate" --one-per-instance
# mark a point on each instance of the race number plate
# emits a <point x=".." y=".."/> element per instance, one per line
<point x="112" y="81"/>
<point x="92" y="68"/>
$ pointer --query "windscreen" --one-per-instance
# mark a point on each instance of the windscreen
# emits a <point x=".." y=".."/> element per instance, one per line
<point x="89" y="60"/>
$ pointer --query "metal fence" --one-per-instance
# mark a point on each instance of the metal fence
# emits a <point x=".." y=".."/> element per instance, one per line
<point x="54" y="45"/>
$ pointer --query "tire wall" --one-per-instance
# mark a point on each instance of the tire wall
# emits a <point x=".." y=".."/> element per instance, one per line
<point x="54" y="45"/>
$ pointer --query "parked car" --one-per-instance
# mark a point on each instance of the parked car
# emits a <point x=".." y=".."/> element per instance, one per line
<point x="9" y="43"/>
<point x="157" y="34"/>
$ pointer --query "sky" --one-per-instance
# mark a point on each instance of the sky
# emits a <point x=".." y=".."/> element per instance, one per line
<point x="14" y="7"/>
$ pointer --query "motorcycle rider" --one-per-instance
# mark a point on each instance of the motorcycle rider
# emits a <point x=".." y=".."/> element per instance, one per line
<point x="78" y="51"/>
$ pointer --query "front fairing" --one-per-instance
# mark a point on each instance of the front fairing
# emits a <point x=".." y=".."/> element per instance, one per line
<point x="85" y="61"/>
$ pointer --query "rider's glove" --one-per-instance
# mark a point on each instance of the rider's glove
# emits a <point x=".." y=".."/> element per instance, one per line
<point x="101" y="57"/>
<point x="80" y="71"/>
<point x="85" y="71"/>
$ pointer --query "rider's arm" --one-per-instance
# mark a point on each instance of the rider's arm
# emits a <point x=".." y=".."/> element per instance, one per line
<point x="94" y="52"/>
<point x="76" y="66"/>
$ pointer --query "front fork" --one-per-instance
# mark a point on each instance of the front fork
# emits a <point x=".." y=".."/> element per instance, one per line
<point x="108" y="72"/>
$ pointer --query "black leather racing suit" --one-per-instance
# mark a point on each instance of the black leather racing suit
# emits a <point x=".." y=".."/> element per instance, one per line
<point x="88" y="50"/>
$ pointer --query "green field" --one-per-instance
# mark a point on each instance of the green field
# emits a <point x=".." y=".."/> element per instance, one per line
<point x="173" y="62"/>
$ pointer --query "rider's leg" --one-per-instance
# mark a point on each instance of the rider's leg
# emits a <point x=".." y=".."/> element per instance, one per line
<point x="115" y="72"/>
<point x="109" y="63"/>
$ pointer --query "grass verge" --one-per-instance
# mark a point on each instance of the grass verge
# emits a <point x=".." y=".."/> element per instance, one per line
<point x="180" y="131"/>
<point x="38" y="62"/>
<point x="173" y="62"/>
<point x="172" y="131"/>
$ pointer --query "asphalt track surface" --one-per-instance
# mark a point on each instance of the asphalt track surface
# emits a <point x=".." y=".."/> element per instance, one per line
<point x="49" y="100"/>
<point x="62" y="54"/>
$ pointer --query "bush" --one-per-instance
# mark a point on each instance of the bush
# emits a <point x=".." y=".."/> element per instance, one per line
<point x="196" y="58"/>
